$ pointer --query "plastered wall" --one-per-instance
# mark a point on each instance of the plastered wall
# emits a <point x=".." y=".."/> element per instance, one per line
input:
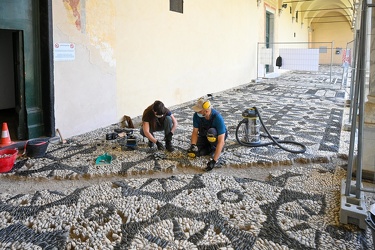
<point x="85" y="88"/>
<point x="129" y="53"/>
<point x="329" y="31"/>
<point x="179" y="57"/>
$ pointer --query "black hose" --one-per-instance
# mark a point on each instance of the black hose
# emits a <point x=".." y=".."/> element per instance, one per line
<point x="274" y="140"/>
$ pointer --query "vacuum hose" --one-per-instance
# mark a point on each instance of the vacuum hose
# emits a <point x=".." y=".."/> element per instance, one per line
<point x="274" y="140"/>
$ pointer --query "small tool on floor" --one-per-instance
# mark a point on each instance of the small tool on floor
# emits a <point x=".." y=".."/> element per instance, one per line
<point x="61" y="138"/>
<point x="103" y="159"/>
<point x="130" y="138"/>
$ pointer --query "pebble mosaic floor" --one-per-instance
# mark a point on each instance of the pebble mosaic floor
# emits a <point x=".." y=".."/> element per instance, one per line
<point x="295" y="208"/>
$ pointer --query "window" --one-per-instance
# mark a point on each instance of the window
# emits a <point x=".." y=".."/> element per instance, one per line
<point x="176" y="5"/>
<point x="296" y="16"/>
<point x="323" y="50"/>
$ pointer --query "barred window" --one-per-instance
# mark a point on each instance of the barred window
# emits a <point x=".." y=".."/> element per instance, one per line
<point x="296" y="16"/>
<point x="176" y="5"/>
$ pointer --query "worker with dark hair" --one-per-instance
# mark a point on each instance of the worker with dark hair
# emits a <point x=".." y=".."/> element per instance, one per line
<point x="157" y="117"/>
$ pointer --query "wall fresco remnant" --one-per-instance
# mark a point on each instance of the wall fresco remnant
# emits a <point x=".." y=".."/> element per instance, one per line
<point x="74" y="5"/>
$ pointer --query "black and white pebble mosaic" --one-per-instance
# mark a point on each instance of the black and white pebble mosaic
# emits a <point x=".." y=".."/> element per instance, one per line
<point x="295" y="208"/>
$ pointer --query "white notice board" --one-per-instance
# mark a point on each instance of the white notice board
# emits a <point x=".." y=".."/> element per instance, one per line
<point x="64" y="52"/>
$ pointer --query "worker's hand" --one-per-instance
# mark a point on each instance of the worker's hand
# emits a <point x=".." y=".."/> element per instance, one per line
<point x="193" y="148"/>
<point x="159" y="145"/>
<point x="192" y="151"/>
<point x="210" y="165"/>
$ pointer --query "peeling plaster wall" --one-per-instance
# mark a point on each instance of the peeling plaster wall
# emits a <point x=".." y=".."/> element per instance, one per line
<point x="131" y="52"/>
<point x="85" y="88"/>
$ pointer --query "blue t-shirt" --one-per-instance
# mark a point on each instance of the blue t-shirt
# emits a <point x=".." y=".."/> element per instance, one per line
<point x="216" y="121"/>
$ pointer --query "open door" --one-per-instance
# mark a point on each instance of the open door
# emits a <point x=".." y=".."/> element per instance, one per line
<point x="269" y="37"/>
<point x="12" y="104"/>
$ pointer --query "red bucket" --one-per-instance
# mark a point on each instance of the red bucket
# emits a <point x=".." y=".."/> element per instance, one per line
<point x="7" y="159"/>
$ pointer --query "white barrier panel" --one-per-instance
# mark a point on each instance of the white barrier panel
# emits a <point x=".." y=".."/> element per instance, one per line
<point x="300" y="59"/>
<point x="265" y="56"/>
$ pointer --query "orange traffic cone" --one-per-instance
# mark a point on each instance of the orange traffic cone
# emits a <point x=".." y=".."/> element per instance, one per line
<point x="5" y="137"/>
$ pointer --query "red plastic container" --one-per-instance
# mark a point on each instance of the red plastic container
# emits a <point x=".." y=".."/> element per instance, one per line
<point x="7" y="159"/>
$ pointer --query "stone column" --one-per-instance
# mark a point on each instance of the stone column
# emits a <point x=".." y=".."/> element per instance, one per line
<point x="369" y="114"/>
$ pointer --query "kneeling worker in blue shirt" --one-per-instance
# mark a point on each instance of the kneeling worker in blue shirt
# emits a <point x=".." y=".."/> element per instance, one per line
<point x="209" y="132"/>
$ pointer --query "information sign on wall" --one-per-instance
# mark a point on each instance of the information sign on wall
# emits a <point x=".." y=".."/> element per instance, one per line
<point x="64" y="52"/>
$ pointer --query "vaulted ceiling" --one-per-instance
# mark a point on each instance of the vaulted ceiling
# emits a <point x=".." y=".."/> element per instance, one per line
<point x="323" y="11"/>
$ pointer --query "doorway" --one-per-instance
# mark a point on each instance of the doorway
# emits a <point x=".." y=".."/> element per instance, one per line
<point x="269" y="37"/>
<point x="26" y="68"/>
<point x="12" y="106"/>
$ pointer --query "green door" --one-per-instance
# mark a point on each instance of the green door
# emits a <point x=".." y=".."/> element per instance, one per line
<point x="28" y="25"/>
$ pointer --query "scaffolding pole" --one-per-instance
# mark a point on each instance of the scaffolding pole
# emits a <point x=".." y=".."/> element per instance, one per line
<point x="358" y="108"/>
